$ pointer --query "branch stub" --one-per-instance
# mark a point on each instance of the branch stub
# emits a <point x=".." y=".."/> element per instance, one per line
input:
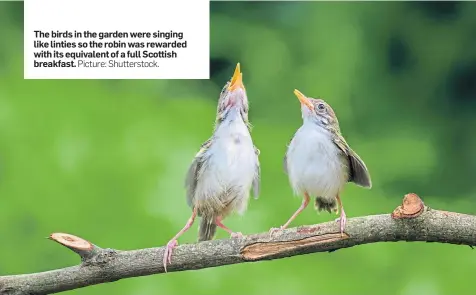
<point x="72" y="242"/>
<point x="411" y="207"/>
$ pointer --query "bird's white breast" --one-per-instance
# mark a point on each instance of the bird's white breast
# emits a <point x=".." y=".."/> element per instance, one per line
<point x="314" y="163"/>
<point x="231" y="164"/>
<point x="233" y="153"/>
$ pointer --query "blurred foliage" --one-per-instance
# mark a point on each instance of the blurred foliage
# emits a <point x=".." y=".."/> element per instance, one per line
<point x="105" y="159"/>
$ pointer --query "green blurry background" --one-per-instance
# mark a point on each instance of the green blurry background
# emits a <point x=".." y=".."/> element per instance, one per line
<point x="106" y="159"/>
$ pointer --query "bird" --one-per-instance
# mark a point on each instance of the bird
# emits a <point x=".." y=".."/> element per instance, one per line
<point x="319" y="162"/>
<point x="225" y="170"/>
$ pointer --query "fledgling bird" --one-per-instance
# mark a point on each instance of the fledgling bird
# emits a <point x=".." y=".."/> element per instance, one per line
<point x="319" y="162"/>
<point x="225" y="169"/>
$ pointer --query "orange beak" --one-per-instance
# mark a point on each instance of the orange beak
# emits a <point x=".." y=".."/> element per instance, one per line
<point x="303" y="99"/>
<point x="237" y="79"/>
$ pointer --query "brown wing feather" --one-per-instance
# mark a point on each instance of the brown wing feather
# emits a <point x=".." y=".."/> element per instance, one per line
<point x="194" y="171"/>
<point x="359" y="173"/>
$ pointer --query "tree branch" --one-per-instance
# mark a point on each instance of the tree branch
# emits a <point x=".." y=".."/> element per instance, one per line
<point x="411" y="221"/>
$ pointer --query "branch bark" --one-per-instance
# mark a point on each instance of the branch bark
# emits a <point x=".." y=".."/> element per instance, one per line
<point x="411" y="221"/>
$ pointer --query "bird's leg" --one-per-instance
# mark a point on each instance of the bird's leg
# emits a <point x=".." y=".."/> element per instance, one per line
<point x="232" y="233"/>
<point x="343" y="218"/>
<point x="173" y="242"/>
<point x="303" y="206"/>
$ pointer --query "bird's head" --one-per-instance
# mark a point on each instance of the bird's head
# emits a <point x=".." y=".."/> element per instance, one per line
<point x="233" y="96"/>
<point x="317" y="111"/>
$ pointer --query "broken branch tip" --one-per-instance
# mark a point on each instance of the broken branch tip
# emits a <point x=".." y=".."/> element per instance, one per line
<point x="71" y="241"/>
<point x="412" y="206"/>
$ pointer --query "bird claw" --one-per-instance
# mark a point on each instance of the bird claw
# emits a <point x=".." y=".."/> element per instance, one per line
<point x="342" y="220"/>
<point x="236" y="235"/>
<point x="168" y="252"/>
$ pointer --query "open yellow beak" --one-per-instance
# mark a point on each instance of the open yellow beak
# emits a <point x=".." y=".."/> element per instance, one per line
<point x="303" y="99"/>
<point x="237" y="79"/>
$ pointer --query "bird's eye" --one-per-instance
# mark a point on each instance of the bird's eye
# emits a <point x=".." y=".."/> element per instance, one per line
<point x="321" y="106"/>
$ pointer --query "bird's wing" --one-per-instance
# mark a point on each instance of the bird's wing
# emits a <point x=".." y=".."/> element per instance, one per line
<point x="257" y="176"/>
<point x="193" y="172"/>
<point x="359" y="173"/>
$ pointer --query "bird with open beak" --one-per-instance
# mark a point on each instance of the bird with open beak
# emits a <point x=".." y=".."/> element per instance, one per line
<point x="225" y="169"/>
<point x="319" y="162"/>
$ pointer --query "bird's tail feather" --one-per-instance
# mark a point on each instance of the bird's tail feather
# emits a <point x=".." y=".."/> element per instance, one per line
<point x="207" y="229"/>
<point x="325" y="204"/>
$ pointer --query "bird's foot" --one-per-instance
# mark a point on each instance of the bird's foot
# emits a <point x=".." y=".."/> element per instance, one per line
<point x="236" y="235"/>
<point x="342" y="220"/>
<point x="168" y="252"/>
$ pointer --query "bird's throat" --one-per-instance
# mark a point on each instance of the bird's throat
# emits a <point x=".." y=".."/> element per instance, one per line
<point x="317" y="124"/>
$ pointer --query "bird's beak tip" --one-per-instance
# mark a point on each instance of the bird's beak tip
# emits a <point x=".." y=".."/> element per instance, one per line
<point x="303" y="99"/>
<point x="237" y="79"/>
